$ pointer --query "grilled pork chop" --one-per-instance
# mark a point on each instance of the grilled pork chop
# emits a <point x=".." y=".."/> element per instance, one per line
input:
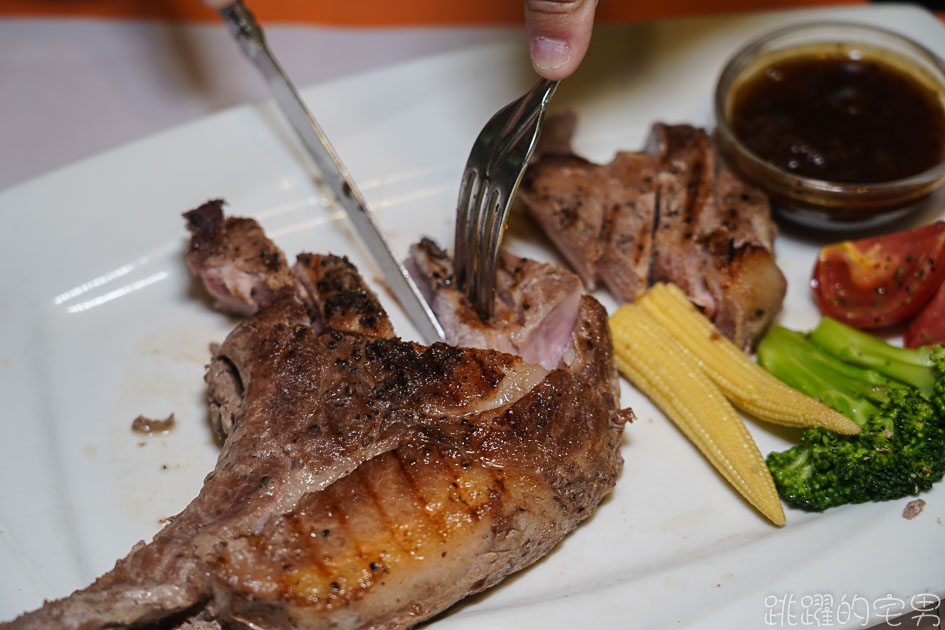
<point x="364" y="481"/>
<point x="673" y="213"/>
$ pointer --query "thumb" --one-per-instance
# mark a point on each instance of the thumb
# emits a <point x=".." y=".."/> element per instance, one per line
<point x="559" y="32"/>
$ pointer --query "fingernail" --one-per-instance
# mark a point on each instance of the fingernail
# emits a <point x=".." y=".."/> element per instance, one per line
<point x="550" y="54"/>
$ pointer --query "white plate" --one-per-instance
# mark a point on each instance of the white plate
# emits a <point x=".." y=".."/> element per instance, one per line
<point x="100" y="322"/>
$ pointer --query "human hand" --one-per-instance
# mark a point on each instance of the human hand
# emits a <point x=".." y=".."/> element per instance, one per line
<point x="559" y="32"/>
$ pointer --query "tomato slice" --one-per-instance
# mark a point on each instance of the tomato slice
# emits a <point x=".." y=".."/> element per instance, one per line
<point x="928" y="326"/>
<point x="881" y="280"/>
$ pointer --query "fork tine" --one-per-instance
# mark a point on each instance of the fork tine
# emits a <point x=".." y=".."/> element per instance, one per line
<point x="477" y="241"/>
<point x="467" y="222"/>
<point x="490" y="233"/>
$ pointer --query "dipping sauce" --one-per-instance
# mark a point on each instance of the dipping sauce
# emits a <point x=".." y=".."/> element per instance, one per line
<point x="840" y="116"/>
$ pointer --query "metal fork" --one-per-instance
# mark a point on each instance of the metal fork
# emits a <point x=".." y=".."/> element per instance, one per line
<point x="493" y="171"/>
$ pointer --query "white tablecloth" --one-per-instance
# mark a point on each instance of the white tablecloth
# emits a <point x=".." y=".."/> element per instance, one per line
<point x="73" y="88"/>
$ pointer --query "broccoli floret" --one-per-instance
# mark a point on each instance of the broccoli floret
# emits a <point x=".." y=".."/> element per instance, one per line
<point x="901" y="447"/>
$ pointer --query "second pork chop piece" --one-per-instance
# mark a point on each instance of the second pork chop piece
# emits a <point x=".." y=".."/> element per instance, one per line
<point x="599" y="216"/>
<point x="673" y="213"/>
<point x="366" y="481"/>
<point x="714" y="236"/>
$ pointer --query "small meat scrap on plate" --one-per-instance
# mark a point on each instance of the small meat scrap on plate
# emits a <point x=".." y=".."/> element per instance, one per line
<point x="148" y="426"/>
<point x="913" y="508"/>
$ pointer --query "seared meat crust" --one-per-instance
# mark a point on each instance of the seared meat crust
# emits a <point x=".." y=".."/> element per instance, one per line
<point x="337" y="297"/>
<point x="460" y="503"/>
<point x="627" y="229"/>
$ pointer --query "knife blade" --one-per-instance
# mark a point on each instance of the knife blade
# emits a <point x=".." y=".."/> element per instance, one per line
<point x="250" y="37"/>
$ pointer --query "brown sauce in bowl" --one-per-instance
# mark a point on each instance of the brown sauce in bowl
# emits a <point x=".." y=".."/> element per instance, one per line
<point x="840" y="118"/>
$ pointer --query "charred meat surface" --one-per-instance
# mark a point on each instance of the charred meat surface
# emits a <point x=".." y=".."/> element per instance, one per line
<point x="673" y="213"/>
<point x="684" y="187"/>
<point x="365" y="481"/>
<point x="337" y="298"/>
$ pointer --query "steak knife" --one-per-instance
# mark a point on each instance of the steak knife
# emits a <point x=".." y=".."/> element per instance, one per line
<point x="250" y="37"/>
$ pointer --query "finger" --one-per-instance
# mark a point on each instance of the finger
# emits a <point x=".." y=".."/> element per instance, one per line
<point x="559" y="32"/>
<point x="217" y="4"/>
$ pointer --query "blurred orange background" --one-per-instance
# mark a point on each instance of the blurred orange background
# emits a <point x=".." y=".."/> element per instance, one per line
<point x="377" y="13"/>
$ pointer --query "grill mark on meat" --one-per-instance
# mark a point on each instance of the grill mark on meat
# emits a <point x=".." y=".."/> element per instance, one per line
<point x="573" y="197"/>
<point x="723" y="255"/>
<point x="387" y="473"/>
<point x="345" y="499"/>
<point x="483" y="497"/>
<point x="424" y="541"/>
<point x="607" y="224"/>
<point x="336" y="547"/>
<point x="413" y="483"/>
<point x="404" y="512"/>
<point x="684" y="191"/>
<point x="625" y="262"/>
<point x="369" y="542"/>
<point x="374" y="534"/>
<point x="353" y="573"/>
<point x="309" y="533"/>
<point x="454" y="510"/>
<point x="313" y="524"/>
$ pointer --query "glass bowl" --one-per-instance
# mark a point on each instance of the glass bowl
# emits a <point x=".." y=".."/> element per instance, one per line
<point x="819" y="203"/>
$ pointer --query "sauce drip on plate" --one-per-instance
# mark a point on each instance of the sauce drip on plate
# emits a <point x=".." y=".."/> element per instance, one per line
<point x="840" y="117"/>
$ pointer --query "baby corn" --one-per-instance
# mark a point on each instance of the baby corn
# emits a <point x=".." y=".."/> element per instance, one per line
<point x="656" y="364"/>
<point x="749" y="386"/>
